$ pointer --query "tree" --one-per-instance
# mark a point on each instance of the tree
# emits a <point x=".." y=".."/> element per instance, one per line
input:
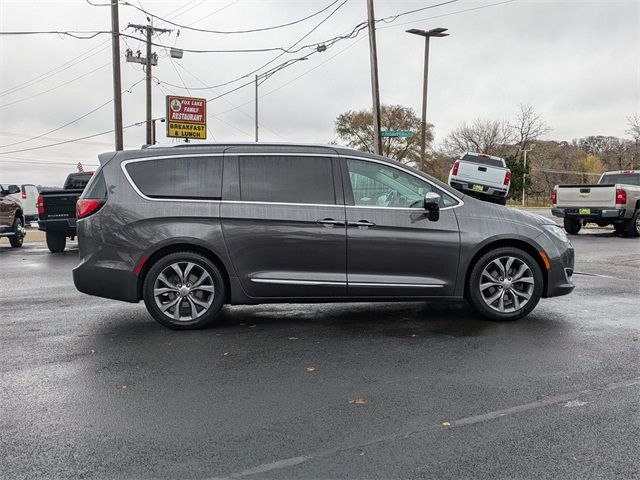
<point x="527" y="127"/>
<point x="482" y="136"/>
<point x="355" y="128"/>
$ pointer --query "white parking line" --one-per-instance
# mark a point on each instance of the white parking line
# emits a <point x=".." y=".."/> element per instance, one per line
<point x="565" y="397"/>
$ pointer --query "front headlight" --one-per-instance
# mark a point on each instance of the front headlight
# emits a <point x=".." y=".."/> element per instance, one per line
<point x="557" y="232"/>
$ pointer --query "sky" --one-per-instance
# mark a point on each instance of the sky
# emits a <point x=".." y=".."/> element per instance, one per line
<point x="576" y="62"/>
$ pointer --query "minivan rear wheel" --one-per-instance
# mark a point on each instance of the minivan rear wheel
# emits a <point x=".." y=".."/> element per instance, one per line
<point x="505" y="284"/>
<point x="184" y="290"/>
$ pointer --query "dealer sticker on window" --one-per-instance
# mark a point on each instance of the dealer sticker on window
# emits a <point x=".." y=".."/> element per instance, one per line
<point x="478" y="188"/>
<point x="584" y="211"/>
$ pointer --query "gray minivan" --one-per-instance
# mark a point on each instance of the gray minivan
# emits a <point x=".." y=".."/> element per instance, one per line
<point x="191" y="227"/>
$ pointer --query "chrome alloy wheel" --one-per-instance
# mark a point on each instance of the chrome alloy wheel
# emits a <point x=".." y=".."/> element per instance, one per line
<point x="184" y="291"/>
<point x="506" y="284"/>
<point x="638" y="224"/>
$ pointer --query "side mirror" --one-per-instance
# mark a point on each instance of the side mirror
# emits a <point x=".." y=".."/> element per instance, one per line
<point x="13" y="189"/>
<point x="432" y="205"/>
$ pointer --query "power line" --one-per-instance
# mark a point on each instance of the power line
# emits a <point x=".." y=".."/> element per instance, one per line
<point x="57" y="86"/>
<point x="229" y="32"/>
<point x="50" y="73"/>
<point x="72" y="121"/>
<point x="214" y="12"/>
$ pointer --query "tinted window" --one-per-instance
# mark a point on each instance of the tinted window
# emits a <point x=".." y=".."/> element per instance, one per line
<point x="625" y="178"/>
<point x="77" y="181"/>
<point x="180" y="177"/>
<point x="375" y="184"/>
<point x="492" y="162"/>
<point x="286" y="179"/>
<point x="97" y="188"/>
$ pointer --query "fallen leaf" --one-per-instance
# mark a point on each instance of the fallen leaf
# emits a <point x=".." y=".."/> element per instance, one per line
<point x="311" y="369"/>
<point x="636" y="338"/>
<point x="124" y="386"/>
<point x="446" y="424"/>
<point x="292" y="338"/>
<point x="252" y="326"/>
<point x="358" y="401"/>
<point x="93" y="351"/>
<point x="225" y="354"/>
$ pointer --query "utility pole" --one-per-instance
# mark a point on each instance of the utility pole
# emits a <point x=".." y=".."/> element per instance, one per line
<point x="427" y="34"/>
<point x="148" y="61"/>
<point x="117" y="82"/>
<point x="256" y="114"/>
<point x="524" y="173"/>
<point x="375" y="88"/>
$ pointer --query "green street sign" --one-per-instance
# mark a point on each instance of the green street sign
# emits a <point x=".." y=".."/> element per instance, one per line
<point x="396" y="133"/>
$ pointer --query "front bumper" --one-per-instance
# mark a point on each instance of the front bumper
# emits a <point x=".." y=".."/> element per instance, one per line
<point x="594" y="213"/>
<point x="560" y="275"/>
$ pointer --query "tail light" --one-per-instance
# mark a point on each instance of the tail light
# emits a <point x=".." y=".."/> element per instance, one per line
<point x="621" y="196"/>
<point x="24" y="193"/>
<point x="554" y="197"/>
<point x="40" y="205"/>
<point x="507" y="177"/>
<point x="87" y="206"/>
<point x="454" y="170"/>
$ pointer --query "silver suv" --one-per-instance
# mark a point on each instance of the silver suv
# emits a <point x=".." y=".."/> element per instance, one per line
<point x="189" y="228"/>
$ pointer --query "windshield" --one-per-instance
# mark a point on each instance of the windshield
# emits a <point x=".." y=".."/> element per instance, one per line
<point x="492" y="162"/>
<point x="626" y="178"/>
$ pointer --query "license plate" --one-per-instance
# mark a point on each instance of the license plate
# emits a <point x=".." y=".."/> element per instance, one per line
<point x="584" y="211"/>
<point x="478" y="188"/>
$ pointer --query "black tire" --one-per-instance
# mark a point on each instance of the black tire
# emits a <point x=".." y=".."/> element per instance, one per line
<point x="572" y="225"/>
<point x="532" y="285"/>
<point x="501" y="201"/>
<point x="56" y="241"/>
<point x="17" y="238"/>
<point x="632" y="226"/>
<point x="619" y="227"/>
<point x="203" y="317"/>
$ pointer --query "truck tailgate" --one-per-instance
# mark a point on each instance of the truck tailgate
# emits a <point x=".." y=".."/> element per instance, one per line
<point x="586" y="196"/>
<point x="483" y="174"/>
<point x="60" y="205"/>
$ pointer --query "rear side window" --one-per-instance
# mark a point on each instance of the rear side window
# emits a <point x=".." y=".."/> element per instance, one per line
<point x="97" y="188"/>
<point x="624" y="178"/>
<point x="492" y="162"/>
<point x="77" y="181"/>
<point x="180" y="177"/>
<point x="286" y="179"/>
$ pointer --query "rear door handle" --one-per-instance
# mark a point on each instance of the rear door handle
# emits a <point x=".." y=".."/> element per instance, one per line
<point x="330" y="222"/>
<point x="361" y="223"/>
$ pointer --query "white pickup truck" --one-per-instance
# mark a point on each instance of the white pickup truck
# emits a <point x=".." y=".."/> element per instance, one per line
<point x="614" y="200"/>
<point x="481" y="176"/>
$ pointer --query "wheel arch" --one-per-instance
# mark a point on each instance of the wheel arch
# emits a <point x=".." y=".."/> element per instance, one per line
<point x="521" y="244"/>
<point x="183" y="247"/>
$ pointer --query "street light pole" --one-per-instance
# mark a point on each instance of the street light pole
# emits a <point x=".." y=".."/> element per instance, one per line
<point x="524" y="172"/>
<point x="117" y="84"/>
<point x="256" y="113"/>
<point x="427" y="34"/>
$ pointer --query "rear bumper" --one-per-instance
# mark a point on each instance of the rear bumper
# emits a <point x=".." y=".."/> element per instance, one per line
<point x="106" y="281"/>
<point x="486" y="190"/>
<point x="594" y="213"/>
<point x="66" y="225"/>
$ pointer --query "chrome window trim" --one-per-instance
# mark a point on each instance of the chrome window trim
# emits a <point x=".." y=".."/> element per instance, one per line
<point x="267" y="154"/>
<point x="124" y="164"/>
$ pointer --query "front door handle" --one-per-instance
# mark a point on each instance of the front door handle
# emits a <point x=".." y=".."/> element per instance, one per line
<point x="330" y="222"/>
<point x="361" y="223"/>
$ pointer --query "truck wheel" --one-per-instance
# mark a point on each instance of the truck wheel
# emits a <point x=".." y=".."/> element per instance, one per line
<point x="632" y="226"/>
<point x="501" y="201"/>
<point x="18" y="234"/>
<point x="56" y="241"/>
<point x="619" y="227"/>
<point x="505" y="284"/>
<point x="184" y="290"/>
<point x="572" y="225"/>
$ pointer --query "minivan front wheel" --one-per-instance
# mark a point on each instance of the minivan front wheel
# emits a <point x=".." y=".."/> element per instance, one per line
<point x="184" y="290"/>
<point x="505" y="284"/>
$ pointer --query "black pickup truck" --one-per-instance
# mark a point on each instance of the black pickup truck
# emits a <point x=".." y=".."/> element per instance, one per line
<point x="57" y="210"/>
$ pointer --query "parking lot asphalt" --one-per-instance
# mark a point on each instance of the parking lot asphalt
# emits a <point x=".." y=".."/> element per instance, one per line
<point x="92" y="388"/>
